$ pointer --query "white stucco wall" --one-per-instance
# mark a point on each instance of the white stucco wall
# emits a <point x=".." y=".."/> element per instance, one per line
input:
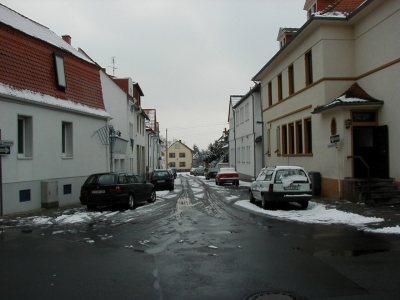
<point x="47" y="163"/>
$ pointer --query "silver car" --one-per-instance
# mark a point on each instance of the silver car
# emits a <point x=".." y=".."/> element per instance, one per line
<point x="281" y="184"/>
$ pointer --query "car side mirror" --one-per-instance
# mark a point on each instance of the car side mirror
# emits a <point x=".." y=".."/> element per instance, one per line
<point x="253" y="178"/>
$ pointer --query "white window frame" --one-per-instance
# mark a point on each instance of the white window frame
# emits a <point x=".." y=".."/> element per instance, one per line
<point x="66" y="140"/>
<point x="25" y="136"/>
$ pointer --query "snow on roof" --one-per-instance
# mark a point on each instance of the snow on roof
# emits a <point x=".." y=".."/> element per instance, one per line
<point x="235" y="99"/>
<point x="39" y="98"/>
<point x="36" y="30"/>
<point x="151" y="113"/>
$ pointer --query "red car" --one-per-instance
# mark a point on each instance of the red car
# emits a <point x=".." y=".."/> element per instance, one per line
<point x="227" y="175"/>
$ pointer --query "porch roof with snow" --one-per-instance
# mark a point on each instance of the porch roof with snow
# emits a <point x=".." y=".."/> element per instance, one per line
<point x="353" y="96"/>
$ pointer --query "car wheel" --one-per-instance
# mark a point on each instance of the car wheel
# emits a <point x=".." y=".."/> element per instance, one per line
<point x="252" y="200"/>
<point x="264" y="203"/>
<point x="152" y="197"/>
<point x="216" y="182"/>
<point x="131" y="202"/>
<point x="91" y="207"/>
<point x="171" y="188"/>
<point x="304" y="204"/>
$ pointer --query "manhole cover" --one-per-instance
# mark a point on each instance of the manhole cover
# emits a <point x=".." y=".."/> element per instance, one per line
<point x="274" y="295"/>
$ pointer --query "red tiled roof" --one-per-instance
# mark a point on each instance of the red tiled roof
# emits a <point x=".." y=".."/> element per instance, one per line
<point x="343" y="6"/>
<point x="26" y="63"/>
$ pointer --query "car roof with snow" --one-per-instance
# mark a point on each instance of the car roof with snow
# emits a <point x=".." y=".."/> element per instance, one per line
<point x="283" y="167"/>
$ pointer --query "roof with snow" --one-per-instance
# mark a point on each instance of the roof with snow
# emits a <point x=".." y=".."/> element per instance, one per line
<point x="36" y="30"/>
<point x="353" y="96"/>
<point x="340" y="8"/>
<point x="151" y="122"/>
<point x="27" y="52"/>
<point x="235" y="99"/>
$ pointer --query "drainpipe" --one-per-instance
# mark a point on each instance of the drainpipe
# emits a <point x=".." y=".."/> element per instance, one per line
<point x="148" y="155"/>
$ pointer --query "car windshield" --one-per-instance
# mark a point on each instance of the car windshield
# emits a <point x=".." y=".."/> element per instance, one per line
<point x="101" y="179"/>
<point x="289" y="176"/>
<point x="159" y="174"/>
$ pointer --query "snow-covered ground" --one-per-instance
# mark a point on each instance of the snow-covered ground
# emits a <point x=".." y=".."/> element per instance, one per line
<point x="315" y="213"/>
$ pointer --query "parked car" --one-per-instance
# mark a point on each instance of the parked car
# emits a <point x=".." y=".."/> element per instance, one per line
<point x="162" y="179"/>
<point x="174" y="172"/>
<point x="199" y="171"/>
<point x="192" y="171"/>
<point x="281" y="184"/>
<point x="116" y="188"/>
<point x="211" y="173"/>
<point x="227" y="175"/>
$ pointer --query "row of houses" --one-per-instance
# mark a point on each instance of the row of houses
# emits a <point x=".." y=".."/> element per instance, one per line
<point x="62" y="118"/>
<point x="328" y="100"/>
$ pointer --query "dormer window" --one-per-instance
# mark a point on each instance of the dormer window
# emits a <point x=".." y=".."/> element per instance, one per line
<point x="61" y="81"/>
<point x="311" y="7"/>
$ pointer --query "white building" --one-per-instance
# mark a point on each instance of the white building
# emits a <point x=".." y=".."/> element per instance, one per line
<point x="51" y="106"/>
<point x="246" y="134"/>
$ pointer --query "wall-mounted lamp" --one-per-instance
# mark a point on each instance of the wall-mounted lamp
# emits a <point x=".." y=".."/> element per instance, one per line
<point x="348" y="123"/>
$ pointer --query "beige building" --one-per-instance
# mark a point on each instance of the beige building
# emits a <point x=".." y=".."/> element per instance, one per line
<point x="331" y="96"/>
<point x="179" y="156"/>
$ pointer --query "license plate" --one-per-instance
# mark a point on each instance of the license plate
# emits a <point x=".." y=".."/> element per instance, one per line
<point x="98" y="192"/>
<point x="228" y="180"/>
<point x="291" y="188"/>
<point x="160" y="181"/>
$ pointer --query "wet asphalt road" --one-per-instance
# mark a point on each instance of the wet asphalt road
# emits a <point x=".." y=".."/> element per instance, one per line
<point x="193" y="245"/>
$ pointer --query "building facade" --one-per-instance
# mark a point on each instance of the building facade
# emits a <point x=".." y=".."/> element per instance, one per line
<point x="51" y="105"/>
<point x="247" y="134"/>
<point x="330" y="95"/>
<point x="179" y="156"/>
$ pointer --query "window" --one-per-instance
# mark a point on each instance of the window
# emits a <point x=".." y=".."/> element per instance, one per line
<point x="279" y="87"/>
<point x="25" y="136"/>
<point x="291" y="138"/>
<point x="171" y="155"/>
<point x="24" y="195"/>
<point x="182" y="164"/>
<point x="291" y="79"/>
<point x="268" y="142"/>
<point x="246" y="112"/>
<point x="299" y="137"/>
<point x="238" y="155"/>
<point x="269" y="93"/>
<point x="182" y="154"/>
<point x="333" y="126"/>
<point x="61" y="81"/>
<point x="278" y="140"/>
<point x="248" y="154"/>
<point x="284" y="139"/>
<point x="308" y="135"/>
<point x="241" y="115"/>
<point x="172" y="164"/>
<point x="309" y="68"/>
<point x="177" y="146"/>
<point x="243" y="154"/>
<point x="67" y="189"/>
<point x="66" y="136"/>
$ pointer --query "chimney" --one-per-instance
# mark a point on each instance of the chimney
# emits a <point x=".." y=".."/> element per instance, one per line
<point x="66" y="38"/>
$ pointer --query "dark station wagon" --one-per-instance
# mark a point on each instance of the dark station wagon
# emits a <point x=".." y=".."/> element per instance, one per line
<point x="116" y="188"/>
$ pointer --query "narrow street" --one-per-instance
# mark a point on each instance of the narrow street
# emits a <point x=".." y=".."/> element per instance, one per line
<point x="192" y="243"/>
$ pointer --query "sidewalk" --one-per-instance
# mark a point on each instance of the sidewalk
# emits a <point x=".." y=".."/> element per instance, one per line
<point x="391" y="214"/>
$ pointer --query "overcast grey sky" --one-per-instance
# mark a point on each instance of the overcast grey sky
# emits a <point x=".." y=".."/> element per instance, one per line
<point x="187" y="56"/>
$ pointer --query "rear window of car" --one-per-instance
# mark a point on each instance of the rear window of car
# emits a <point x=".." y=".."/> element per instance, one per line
<point x="292" y="175"/>
<point x="160" y="174"/>
<point x="101" y="179"/>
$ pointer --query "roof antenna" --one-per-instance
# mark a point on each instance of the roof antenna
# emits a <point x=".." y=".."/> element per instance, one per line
<point x="113" y="65"/>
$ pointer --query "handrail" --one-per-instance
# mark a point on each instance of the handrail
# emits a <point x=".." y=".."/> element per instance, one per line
<point x="368" y="172"/>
